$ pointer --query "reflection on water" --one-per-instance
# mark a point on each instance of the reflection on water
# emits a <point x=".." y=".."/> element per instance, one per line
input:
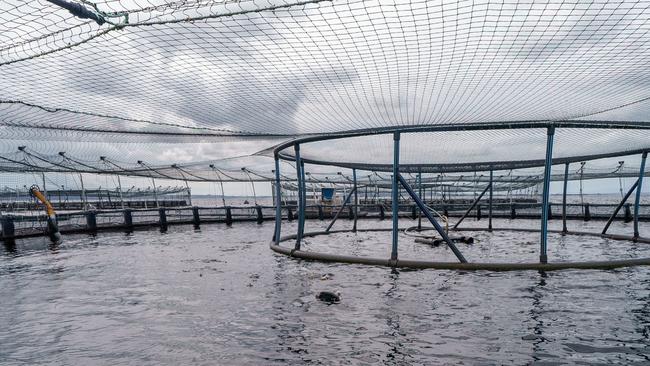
<point x="218" y="295"/>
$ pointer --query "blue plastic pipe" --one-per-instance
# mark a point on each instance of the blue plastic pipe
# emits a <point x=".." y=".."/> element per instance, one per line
<point x="301" y="193"/>
<point x="490" y="205"/>
<point x="566" y="179"/>
<point x="395" y="198"/>
<point x="545" y="194"/>
<point x="639" y="188"/>
<point x="278" y="201"/>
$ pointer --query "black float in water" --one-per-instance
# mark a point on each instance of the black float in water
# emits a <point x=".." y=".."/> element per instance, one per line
<point x="587" y="213"/>
<point x="196" y="218"/>
<point x="260" y="217"/>
<point x="91" y="221"/>
<point x="128" y="219"/>
<point x="628" y="213"/>
<point x="162" y="215"/>
<point x="329" y="297"/>
<point x="382" y="214"/>
<point x="228" y="216"/>
<point x="53" y="230"/>
<point x="8" y="227"/>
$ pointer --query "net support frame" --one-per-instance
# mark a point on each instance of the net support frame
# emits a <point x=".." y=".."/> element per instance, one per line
<point x="434" y="222"/>
<point x="301" y="211"/>
<point x="548" y="165"/>
<point x="356" y="200"/>
<point x="395" y="197"/>
<point x="278" y="201"/>
<point x="639" y="188"/>
<point x="420" y="194"/>
<point x="490" y="203"/>
<point x="620" y="205"/>
<point x="564" y="192"/>
<point x="338" y="212"/>
<point x="471" y="207"/>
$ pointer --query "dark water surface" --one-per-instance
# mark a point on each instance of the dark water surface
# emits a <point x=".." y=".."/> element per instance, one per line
<point x="219" y="296"/>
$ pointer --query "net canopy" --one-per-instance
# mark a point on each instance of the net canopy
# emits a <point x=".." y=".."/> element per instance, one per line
<point x="194" y="81"/>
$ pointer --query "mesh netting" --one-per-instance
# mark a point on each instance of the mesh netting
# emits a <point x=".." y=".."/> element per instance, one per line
<point x="162" y="74"/>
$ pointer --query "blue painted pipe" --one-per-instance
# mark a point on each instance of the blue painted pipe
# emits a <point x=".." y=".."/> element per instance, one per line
<point x="545" y="194"/>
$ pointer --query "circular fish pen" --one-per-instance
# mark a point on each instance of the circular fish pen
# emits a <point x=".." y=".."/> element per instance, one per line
<point x="461" y="149"/>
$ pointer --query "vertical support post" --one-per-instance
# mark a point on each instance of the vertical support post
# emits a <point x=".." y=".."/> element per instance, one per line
<point x="301" y="193"/>
<point x="189" y="193"/>
<point x="119" y="186"/>
<point x="44" y="188"/>
<point x="490" y="203"/>
<point x="278" y="201"/>
<point x="356" y="200"/>
<point x="395" y="197"/>
<point x="545" y="194"/>
<point x="155" y="192"/>
<point x="564" y="189"/>
<point x="423" y="197"/>
<point x="639" y="188"/>
<point x="84" y="199"/>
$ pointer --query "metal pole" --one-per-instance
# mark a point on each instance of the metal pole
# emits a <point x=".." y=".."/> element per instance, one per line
<point x="566" y="180"/>
<point x="155" y="192"/>
<point x="356" y="200"/>
<point x="189" y="193"/>
<point x="303" y="211"/>
<point x="433" y="221"/>
<point x="119" y="187"/>
<point x="84" y="199"/>
<point x="639" y="188"/>
<point x="545" y="194"/>
<point x="300" y="194"/>
<point x="620" y="205"/>
<point x="338" y="212"/>
<point x="472" y="206"/>
<point x="44" y="188"/>
<point x="420" y="194"/>
<point x="278" y="201"/>
<point x="394" y="192"/>
<point x="490" y="204"/>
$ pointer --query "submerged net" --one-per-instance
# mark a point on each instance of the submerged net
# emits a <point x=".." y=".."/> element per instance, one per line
<point x="185" y="82"/>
